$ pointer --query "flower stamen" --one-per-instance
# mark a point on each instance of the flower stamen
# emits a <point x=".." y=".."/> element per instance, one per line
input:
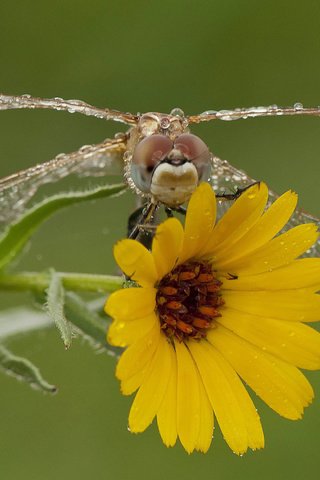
<point x="188" y="300"/>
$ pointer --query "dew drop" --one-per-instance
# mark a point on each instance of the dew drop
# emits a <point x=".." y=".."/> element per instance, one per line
<point x="61" y="156"/>
<point x="85" y="148"/>
<point x="177" y="112"/>
<point x="228" y="115"/>
<point x="120" y="135"/>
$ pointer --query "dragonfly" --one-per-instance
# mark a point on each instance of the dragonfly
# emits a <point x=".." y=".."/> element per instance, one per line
<point x="162" y="161"/>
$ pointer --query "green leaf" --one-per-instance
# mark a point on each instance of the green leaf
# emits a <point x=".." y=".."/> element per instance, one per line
<point x="90" y="324"/>
<point x="23" y="369"/>
<point x="55" y="307"/>
<point x="19" y="232"/>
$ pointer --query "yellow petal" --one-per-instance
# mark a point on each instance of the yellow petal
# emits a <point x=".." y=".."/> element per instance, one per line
<point x="277" y="253"/>
<point x="300" y="383"/>
<point x="301" y="273"/>
<point x="149" y="397"/>
<point x="235" y="412"/>
<point x="267" y="226"/>
<point x="167" y="414"/>
<point x="293" y="305"/>
<point x="293" y="342"/>
<point x="267" y="375"/>
<point x="122" y="333"/>
<point x="135" y="361"/>
<point x="167" y="245"/>
<point x="188" y="399"/>
<point x="136" y="262"/>
<point x="239" y="219"/>
<point x="200" y="219"/>
<point x="131" y="303"/>
<point x="206" y="421"/>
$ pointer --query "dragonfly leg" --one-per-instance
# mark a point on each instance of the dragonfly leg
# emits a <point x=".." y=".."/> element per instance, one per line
<point x="221" y="196"/>
<point x="133" y="221"/>
<point x="169" y="211"/>
<point x="235" y="195"/>
<point x="140" y="225"/>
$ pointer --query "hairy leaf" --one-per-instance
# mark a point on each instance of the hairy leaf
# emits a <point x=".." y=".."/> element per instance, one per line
<point x="23" y="369"/>
<point x="85" y="319"/>
<point x="19" y="232"/>
<point x="55" y="308"/>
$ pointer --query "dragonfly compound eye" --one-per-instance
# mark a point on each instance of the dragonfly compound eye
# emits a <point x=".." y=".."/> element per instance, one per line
<point x="196" y="151"/>
<point x="147" y="155"/>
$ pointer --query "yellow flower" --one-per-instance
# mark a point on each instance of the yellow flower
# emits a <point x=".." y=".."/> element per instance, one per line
<point x="218" y="305"/>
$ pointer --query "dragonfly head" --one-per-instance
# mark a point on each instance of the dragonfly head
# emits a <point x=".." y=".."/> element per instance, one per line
<point x="165" y="161"/>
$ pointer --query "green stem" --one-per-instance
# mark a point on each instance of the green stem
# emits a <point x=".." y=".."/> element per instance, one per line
<point x="39" y="281"/>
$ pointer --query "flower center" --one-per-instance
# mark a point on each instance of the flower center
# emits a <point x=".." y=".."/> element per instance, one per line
<point x="188" y="301"/>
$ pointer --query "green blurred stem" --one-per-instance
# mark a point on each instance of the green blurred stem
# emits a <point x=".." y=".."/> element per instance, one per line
<point x="39" y="281"/>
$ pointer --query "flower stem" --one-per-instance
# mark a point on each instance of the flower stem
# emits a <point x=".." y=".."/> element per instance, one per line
<point x="39" y="281"/>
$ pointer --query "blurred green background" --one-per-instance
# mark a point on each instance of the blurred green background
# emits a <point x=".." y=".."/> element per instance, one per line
<point x="142" y="56"/>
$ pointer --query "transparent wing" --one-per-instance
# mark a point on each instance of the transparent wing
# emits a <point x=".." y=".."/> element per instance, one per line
<point x="9" y="102"/>
<point x="252" y="112"/>
<point x="227" y="179"/>
<point x="90" y="160"/>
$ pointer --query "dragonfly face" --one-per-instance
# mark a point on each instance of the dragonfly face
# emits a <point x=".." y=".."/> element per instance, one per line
<point x="164" y="160"/>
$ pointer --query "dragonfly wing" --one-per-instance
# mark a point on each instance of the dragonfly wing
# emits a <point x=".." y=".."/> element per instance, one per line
<point x="90" y="160"/>
<point x="9" y="102"/>
<point x="227" y="179"/>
